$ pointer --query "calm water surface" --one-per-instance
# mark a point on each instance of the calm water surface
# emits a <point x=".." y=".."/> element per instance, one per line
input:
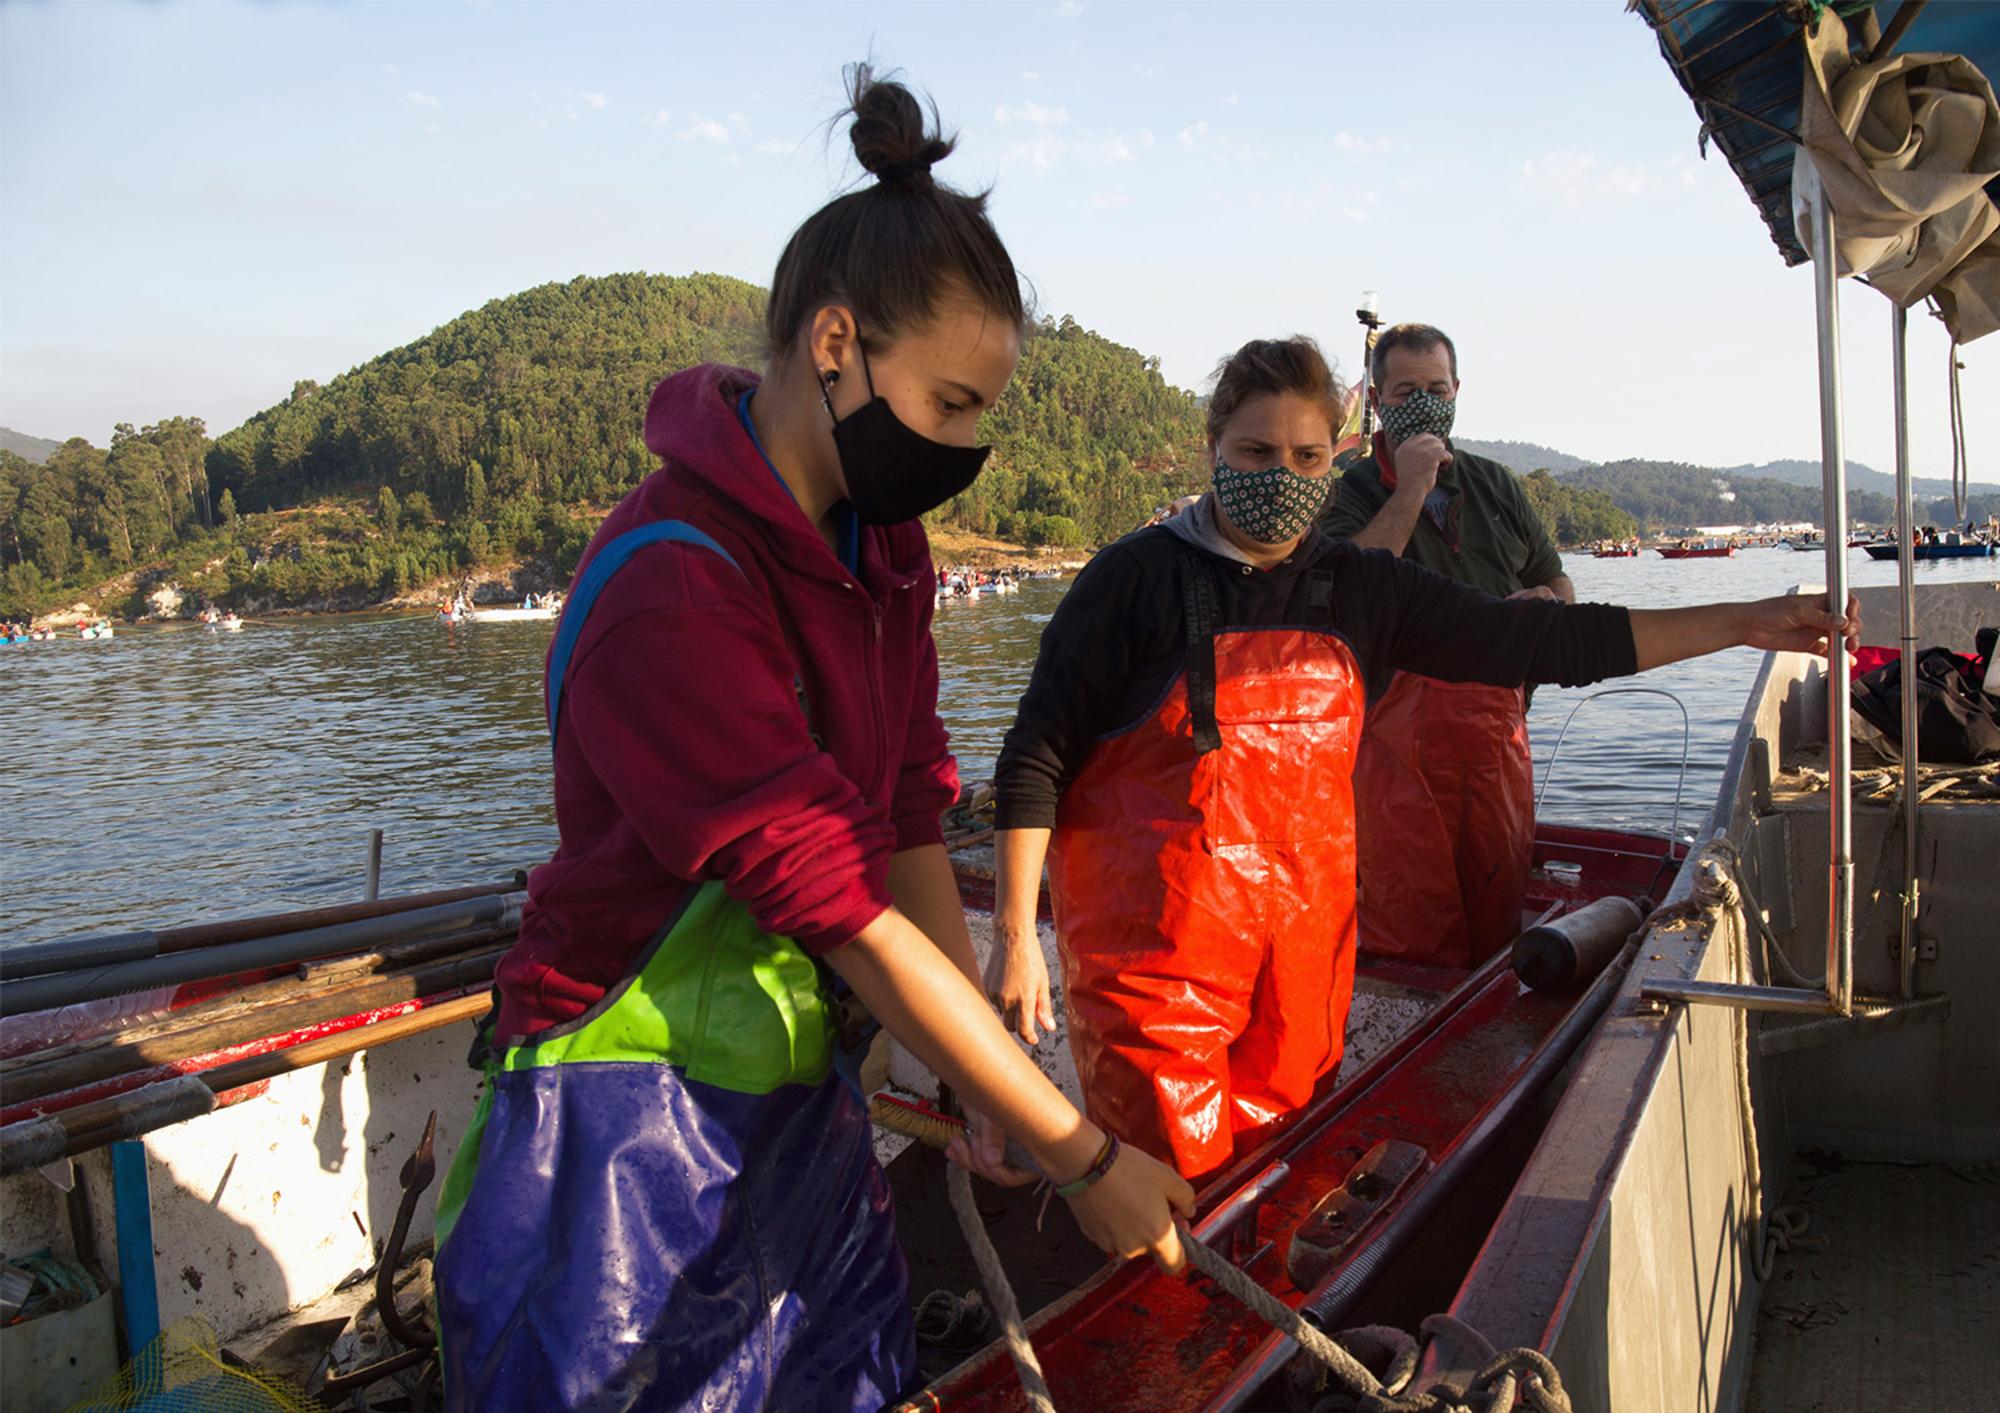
<point x="173" y="774"/>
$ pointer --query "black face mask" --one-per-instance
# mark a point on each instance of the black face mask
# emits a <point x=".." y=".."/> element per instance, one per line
<point x="893" y="473"/>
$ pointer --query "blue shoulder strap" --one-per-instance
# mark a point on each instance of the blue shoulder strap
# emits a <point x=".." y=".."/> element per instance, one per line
<point x="590" y="584"/>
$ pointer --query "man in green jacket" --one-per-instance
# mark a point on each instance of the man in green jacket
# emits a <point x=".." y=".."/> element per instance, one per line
<point x="1443" y="784"/>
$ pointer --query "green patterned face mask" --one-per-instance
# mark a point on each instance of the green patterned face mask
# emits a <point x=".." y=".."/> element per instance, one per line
<point x="1271" y="506"/>
<point x="1418" y="413"/>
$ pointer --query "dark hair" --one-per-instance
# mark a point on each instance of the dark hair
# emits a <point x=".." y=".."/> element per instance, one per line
<point x="1419" y="338"/>
<point x="1293" y="365"/>
<point x="894" y="249"/>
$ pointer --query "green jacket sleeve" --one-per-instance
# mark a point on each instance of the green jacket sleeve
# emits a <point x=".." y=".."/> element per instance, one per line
<point x="1353" y="504"/>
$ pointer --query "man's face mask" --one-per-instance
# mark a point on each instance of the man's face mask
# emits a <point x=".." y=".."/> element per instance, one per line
<point x="1418" y="413"/>
<point x="1271" y="506"/>
<point x="894" y="472"/>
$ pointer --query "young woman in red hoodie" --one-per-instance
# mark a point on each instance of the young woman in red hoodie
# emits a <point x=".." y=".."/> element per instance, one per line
<point x="669" y="1197"/>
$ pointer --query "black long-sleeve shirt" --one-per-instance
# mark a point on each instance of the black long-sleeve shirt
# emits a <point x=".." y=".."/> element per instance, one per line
<point x="1119" y="639"/>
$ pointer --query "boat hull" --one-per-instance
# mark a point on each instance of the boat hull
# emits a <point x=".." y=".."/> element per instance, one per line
<point x="510" y="615"/>
<point x="267" y="1224"/>
<point x="1928" y="551"/>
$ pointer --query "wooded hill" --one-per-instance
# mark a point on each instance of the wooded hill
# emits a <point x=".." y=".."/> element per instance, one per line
<point x="507" y="432"/>
<point x="1668" y="497"/>
<point x="503" y="436"/>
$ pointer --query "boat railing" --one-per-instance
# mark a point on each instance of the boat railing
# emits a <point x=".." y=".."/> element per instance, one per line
<point x="1680" y="783"/>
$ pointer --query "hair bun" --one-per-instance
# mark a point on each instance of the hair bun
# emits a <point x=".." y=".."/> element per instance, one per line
<point x="892" y="136"/>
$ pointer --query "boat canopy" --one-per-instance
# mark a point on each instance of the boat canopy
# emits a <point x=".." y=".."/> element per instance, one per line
<point x="1898" y="121"/>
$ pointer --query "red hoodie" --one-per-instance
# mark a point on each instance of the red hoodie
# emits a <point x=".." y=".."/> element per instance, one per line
<point x="684" y="755"/>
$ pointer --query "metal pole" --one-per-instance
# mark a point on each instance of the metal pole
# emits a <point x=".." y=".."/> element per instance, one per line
<point x="1833" y="461"/>
<point x="1371" y="323"/>
<point x="374" y="865"/>
<point x="66" y="988"/>
<point x="1906" y="594"/>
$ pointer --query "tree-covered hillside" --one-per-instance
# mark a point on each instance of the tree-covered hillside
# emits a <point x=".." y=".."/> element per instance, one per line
<point x="1666" y="496"/>
<point x="537" y="397"/>
<point x="1576" y="515"/>
<point x="504" y="435"/>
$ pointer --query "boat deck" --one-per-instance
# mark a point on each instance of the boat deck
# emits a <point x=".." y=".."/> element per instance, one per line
<point x="1891" y="1300"/>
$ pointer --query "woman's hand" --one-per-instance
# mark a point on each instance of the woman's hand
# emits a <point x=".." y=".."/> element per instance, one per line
<point x="1799" y="623"/>
<point x="982" y="1149"/>
<point x="1017" y="981"/>
<point x="1130" y="1211"/>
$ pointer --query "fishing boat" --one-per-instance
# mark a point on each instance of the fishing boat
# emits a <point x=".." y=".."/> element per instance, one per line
<point x="1807" y="544"/>
<point x="221" y="1053"/>
<point x="1964" y="549"/>
<point x="538" y="614"/>
<point x="1708" y="549"/>
<point x="1615" y="552"/>
<point x="1737" y="1162"/>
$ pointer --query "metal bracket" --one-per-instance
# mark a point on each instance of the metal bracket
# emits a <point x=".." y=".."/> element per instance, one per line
<point x="1927" y="948"/>
<point x="1232" y="1228"/>
<point x="1338" y="1221"/>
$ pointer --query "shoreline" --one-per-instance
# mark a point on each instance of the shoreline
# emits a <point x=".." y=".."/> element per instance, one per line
<point x="493" y="585"/>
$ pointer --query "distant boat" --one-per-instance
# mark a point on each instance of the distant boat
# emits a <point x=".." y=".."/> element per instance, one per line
<point x="1965" y="549"/>
<point x="1625" y="552"/>
<point x="1808" y="545"/>
<point x="510" y="615"/>
<point x="1702" y="551"/>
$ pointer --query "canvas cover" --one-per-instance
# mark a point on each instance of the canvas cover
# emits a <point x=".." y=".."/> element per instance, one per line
<point x="1904" y="147"/>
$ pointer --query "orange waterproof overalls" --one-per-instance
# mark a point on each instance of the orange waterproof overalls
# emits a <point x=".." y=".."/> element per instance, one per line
<point x="1203" y="878"/>
<point x="1444" y="795"/>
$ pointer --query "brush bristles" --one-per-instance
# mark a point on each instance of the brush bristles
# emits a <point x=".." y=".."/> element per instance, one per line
<point x="914" y="1121"/>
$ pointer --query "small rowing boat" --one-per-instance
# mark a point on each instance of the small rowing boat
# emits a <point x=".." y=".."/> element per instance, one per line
<point x="1706" y="551"/>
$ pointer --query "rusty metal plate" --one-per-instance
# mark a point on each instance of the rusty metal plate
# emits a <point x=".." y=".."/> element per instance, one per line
<point x="1345" y="1213"/>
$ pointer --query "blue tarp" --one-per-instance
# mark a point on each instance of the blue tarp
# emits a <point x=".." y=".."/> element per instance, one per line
<point x="1742" y="62"/>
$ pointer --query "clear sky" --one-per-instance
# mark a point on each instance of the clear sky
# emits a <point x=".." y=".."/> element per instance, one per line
<point x="200" y="204"/>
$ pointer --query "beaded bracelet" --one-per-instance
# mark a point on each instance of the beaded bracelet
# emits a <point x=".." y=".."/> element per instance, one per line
<point x="1096" y="1171"/>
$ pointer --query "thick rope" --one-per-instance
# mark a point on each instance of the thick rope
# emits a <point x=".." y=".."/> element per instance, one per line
<point x="1280" y="1316"/>
<point x="999" y="1291"/>
<point x="1495" y="1385"/>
